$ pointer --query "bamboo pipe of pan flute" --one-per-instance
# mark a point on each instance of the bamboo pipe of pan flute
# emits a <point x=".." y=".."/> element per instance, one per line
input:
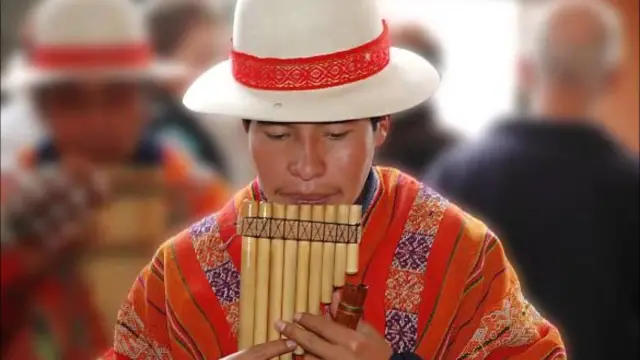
<point x="315" y="265"/>
<point x="302" y="277"/>
<point x="340" y="266"/>
<point x="353" y="249"/>
<point x="276" y="272"/>
<point x="328" y="258"/>
<point x="289" y="271"/>
<point x="247" y="282"/>
<point x="262" y="282"/>
<point x="304" y="252"/>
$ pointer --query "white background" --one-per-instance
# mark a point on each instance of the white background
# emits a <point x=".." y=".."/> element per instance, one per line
<point x="480" y="43"/>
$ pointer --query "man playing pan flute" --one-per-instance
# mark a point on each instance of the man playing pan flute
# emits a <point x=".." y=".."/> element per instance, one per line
<point x="315" y="82"/>
<point x="88" y="63"/>
<point x="88" y="80"/>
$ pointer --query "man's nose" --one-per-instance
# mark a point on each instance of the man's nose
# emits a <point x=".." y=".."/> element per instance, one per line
<point x="309" y="162"/>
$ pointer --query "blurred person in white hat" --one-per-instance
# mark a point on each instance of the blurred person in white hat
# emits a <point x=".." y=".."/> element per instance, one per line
<point x="85" y="68"/>
<point x="315" y="82"/>
<point x="87" y="79"/>
<point x="559" y="187"/>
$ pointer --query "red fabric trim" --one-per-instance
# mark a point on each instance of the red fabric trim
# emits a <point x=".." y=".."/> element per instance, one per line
<point x="443" y="246"/>
<point x="387" y="223"/>
<point x="316" y="72"/>
<point x="187" y="261"/>
<point x="65" y="57"/>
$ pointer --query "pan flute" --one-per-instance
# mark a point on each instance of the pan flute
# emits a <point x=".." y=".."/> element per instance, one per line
<point x="135" y="216"/>
<point x="141" y="211"/>
<point x="293" y="256"/>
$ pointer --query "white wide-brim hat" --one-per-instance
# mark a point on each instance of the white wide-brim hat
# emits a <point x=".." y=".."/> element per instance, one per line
<point x="312" y="61"/>
<point x="85" y="40"/>
<point x="24" y="76"/>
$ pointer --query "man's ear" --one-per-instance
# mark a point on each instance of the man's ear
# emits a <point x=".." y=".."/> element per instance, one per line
<point x="384" y="125"/>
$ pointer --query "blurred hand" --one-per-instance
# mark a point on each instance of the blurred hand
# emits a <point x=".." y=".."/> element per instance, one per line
<point x="49" y="208"/>
<point x="264" y="351"/>
<point x="43" y="213"/>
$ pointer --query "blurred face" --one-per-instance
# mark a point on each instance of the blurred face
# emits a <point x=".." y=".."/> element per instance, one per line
<point x="574" y="54"/>
<point x="314" y="163"/>
<point x="102" y="120"/>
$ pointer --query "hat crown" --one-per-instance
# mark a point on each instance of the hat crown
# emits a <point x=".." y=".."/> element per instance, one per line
<point x="304" y="28"/>
<point x="88" y="23"/>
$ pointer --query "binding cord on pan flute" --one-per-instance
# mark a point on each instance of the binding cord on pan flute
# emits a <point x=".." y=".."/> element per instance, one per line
<point x="293" y="257"/>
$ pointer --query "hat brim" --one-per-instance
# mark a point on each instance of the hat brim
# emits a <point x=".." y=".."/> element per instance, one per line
<point x="24" y="77"/>
<point x="407" y="81"/>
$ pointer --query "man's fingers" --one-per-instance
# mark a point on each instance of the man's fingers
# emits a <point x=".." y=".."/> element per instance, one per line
<point x="328" y="329"/>
<point x="269" y="350"/>
<point x="309" y="341"/>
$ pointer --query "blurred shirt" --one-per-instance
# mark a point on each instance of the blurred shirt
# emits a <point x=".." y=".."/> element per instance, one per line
<point x="564" y="197"/>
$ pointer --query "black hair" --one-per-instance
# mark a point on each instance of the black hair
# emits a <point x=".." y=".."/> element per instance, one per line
<point x="374" y="122"/>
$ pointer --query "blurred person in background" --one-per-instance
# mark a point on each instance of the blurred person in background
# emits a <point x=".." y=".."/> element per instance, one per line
<point x="416" y="137"/>
<point x="188" y="32"/>
<point x="559" y="188"/>
<point x="86" y="72"/>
